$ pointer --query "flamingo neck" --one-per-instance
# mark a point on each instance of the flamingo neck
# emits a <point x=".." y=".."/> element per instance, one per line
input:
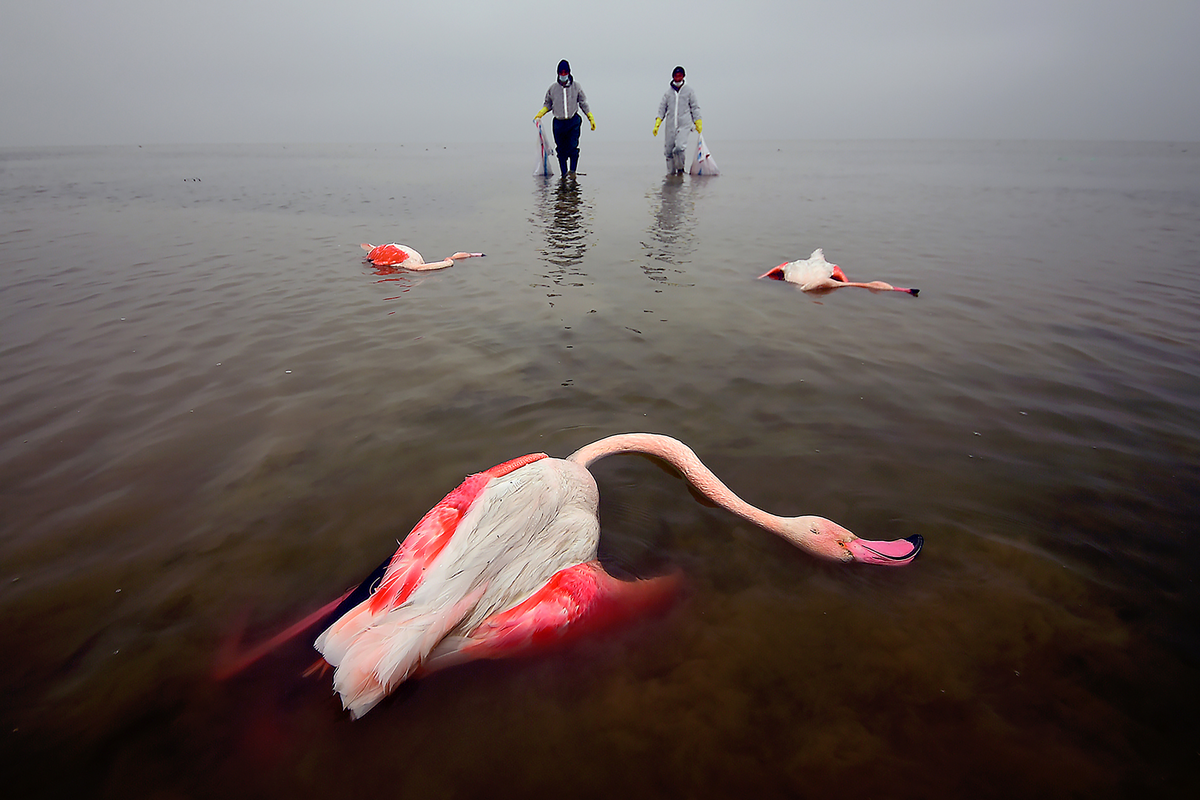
<point x="680" y="456"/>
<point x="435" y="265"/>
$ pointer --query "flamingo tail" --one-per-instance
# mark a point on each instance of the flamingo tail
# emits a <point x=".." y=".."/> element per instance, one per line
<point x="335" y="642"/>
<point x="385" y="654"/>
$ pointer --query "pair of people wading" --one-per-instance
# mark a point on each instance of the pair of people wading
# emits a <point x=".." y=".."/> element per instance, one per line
<point x="678" y="108"/>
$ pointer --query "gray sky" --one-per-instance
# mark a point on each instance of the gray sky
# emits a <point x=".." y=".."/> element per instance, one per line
<point x="249" y="71"/>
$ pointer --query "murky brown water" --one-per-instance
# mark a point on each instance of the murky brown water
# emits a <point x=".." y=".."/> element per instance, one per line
<point x="211" y="412"/>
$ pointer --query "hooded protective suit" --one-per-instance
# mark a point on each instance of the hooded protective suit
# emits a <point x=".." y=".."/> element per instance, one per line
<point x="679" y="111"/>
<point x="566" y="99"/>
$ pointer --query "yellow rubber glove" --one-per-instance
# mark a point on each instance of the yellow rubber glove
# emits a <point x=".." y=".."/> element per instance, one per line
<point x="699" y="126"/>
<point x="657" y="122"/>
<point x="541" y="112"/>
<point x="592" y="120"/>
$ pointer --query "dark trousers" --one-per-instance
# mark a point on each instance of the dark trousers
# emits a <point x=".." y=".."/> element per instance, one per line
<point x="566" y="141"/>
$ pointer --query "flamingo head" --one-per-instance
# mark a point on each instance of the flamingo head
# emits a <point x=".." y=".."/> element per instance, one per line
<point x="827" y="539"/>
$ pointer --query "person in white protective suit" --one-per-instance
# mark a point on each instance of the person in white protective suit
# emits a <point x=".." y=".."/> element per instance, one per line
<point x="681" y="111"/>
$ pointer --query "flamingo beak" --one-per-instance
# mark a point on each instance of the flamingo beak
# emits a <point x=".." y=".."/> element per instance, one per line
<point x="897" y="553"/>
<point x="775" y="274"/>
<point x="838" y="275"/>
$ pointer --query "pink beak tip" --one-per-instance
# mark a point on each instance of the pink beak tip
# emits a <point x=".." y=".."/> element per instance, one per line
<point x="895" y="553"/>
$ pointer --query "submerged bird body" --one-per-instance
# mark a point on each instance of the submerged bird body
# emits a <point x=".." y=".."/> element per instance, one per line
<point x="508" y="560"/>
<point x="399" y="255"/>
<point x="815" y="274"/>
<point x="485" y="548"/>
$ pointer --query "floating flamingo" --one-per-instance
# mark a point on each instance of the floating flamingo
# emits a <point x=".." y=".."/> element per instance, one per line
<point x="508" y="560"/>
<point x="815" y="274"/>
<point x="398" y="255"/>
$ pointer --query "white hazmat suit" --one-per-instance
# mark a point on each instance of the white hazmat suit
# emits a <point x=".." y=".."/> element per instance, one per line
<point x="679" y="110"/>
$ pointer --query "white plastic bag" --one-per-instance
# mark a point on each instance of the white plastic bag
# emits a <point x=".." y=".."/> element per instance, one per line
<point x="703" y="163"/>
<point x="546" y="159"/>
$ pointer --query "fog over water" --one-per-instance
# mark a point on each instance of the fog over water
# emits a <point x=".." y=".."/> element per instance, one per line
<point x="268" y="71"/>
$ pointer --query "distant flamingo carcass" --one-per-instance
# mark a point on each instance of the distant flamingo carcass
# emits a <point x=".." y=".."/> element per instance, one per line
<point x="398" y="255"/>
<point x="815" y="274"/>
<point x="508" y="561"/>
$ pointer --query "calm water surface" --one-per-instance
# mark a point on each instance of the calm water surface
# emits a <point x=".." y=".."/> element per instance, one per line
<point x="214" y="417"/>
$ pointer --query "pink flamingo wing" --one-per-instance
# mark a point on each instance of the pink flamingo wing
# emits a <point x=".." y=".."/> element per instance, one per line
<point x="775" y="273"/>
<point x="561" y="601"/>
<point x="576" y="600"/>
<point x="231" y="660"/>
<point x="515" y="464"/>
<point x="387" y="255"/>
<point x="431" y="535"/>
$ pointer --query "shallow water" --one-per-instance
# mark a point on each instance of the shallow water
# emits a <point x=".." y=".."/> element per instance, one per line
<point x="214" y="416"/>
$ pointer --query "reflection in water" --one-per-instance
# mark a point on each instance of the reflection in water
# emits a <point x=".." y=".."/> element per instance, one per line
<point x="673" y="229"/>
<point x="560" y="208"/>
<point x="392" y="274"/>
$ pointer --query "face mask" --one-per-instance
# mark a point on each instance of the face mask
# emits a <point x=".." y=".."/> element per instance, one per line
<point x="564" y="78"/>
<point x="677" y="83"/>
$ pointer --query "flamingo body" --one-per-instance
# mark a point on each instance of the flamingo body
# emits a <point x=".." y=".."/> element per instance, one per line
<point x="488" y="546"/>
<point x="815" y="274"/>
<point x="392" y="255"/>
<point x="507" y="561"/>
<point x="399" y="255"/>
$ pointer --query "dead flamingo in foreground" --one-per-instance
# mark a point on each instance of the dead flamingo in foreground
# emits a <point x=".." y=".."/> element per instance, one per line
<point x="508" y="560"/>
<point x="815" y="274"/>
<point x="398" y="255"/>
